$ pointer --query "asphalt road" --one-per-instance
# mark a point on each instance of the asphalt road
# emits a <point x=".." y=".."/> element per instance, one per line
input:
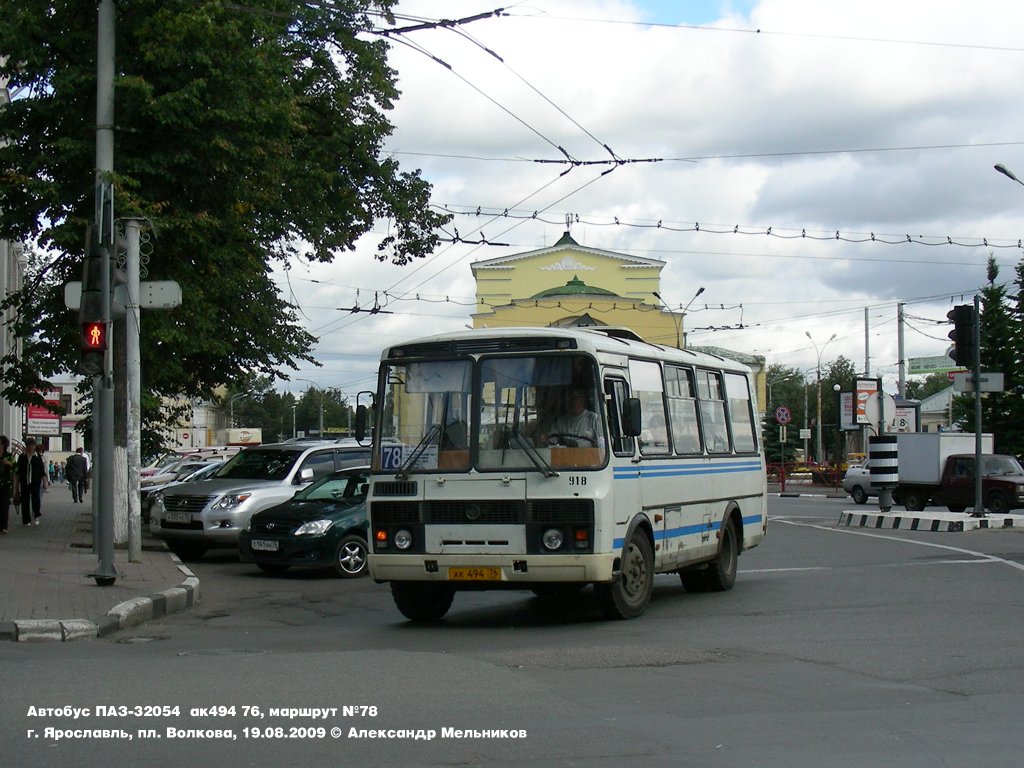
<point x="837" y="647"/>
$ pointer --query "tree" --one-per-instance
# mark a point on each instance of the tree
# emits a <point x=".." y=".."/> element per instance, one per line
<point x="997" y="354"/>
<point x="919" y="389"/>
<point x="245" y="134"/>
<point x="839" y="373"/>
<point x="784" y="387"/>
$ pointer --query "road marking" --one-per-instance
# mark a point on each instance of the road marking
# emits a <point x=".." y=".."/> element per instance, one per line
<point x="983" y="555"/>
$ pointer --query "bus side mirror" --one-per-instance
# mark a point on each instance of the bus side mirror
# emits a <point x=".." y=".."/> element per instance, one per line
<point x="631" y="417"/>
<point x="361" y="417"/>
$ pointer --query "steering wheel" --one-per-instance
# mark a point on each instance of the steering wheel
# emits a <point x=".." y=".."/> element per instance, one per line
<point x="559" y="438"/>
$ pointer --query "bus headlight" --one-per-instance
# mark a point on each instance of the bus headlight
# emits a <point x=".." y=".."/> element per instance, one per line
<point x="403" y="539"/>
<point x="552" y="539"/>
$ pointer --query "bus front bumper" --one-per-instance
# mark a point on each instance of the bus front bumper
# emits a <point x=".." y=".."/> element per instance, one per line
<point x="495" y="571"/>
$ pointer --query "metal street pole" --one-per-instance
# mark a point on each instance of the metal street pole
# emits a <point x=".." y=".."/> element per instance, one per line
<point x="103" y="385"/>
<point x="819" y="453"/>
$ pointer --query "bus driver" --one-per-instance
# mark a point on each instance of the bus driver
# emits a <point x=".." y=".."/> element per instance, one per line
<point x="578" y="427"/>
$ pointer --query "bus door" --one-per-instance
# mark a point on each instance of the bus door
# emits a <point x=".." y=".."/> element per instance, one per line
<point x="624" y="500"/>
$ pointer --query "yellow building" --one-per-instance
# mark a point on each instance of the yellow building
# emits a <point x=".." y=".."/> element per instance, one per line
<point x="569" y="285"/>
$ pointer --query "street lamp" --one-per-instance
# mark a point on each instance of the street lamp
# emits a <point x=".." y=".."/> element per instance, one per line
<point x="678" y="317"/>
<point x="318" y="389"/>
<point x="780" y="380"/>
<point x="231" y="407"/>
<point x="1007" y="172"/>
<point x="818" y="424"/>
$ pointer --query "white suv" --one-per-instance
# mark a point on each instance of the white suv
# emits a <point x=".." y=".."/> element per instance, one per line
<point x="194" y="516"/>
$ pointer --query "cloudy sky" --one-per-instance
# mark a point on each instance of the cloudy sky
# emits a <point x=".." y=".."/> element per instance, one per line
<point x="755" y="132"/>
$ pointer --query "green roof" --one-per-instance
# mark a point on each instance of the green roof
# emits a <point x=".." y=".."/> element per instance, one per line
<point x="574" y="287"/>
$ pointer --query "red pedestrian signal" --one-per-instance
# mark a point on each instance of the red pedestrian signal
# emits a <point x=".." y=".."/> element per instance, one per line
<point x="94" y="337"/>
<point x="94" y="348"/>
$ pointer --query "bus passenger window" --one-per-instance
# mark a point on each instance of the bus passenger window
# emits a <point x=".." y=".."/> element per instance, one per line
<point x="712" y="412"/>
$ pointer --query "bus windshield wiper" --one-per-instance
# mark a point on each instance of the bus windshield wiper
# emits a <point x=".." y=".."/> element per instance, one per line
<point x="535" y="457"/>
<point x="421" y="446"/>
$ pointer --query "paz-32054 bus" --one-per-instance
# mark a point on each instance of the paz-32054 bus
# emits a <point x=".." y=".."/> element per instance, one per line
<point x="551" y="459"/>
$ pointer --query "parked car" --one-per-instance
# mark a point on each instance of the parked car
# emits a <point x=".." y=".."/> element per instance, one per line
<point x="194" y="516"/>
<point x="187" y="472"/>
<point x="857" y="482"/>
<point x="322" y="526"/>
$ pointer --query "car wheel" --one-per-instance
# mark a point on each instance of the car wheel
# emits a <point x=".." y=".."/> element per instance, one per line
<point x="350" y="557"/>
<point x="997" y="503"/>
<point x="422" y="602"/>
<point x="913" y="500"/>
<point x="956" y="507"/>
<point x="627" y="596"/>
<point x="273" y="568"/>
<point x="860" y="496"/>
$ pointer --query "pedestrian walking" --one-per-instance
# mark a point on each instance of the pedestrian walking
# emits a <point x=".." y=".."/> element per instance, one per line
<point x="29" y="478"/>
<point x="76" y="471"/>
<point x="39" y="474"/>
<point x="6" y="482"/>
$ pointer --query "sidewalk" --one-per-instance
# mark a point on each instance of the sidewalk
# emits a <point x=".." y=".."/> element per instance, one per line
<point x="49" y="594"/>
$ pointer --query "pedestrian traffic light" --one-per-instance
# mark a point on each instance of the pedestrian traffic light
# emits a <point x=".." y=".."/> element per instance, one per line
<point x="964" y="319"/>
<point x="94" y="347"/>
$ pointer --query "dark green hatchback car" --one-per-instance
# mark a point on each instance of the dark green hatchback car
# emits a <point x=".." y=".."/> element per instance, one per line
<point x="322" y="526"/>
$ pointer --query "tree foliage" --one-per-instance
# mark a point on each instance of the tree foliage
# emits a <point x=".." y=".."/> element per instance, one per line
<point x="245" y="134"/>
<point x="1002" y="351"/>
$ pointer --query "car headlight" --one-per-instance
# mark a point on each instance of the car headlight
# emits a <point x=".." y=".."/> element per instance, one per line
<point x="231" y="501"/>
<point x="314" y="528"/>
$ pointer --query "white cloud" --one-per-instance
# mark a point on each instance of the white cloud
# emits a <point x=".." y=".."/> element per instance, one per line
<point x="818" y="77"/>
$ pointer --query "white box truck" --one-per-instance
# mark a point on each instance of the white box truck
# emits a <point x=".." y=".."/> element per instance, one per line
<point x="938" y="468"/>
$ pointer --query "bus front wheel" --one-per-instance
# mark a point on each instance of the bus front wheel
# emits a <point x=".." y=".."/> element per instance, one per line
<point x="422" y="602"/>
<point x="627" y="597"/>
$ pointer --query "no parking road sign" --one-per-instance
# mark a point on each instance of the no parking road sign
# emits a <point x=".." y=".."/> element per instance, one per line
<point x="783" y="415"/>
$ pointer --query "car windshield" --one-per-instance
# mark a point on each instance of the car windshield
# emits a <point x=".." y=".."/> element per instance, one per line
<point x="207" y="470"/>
<point x="1002" y="465"/>
<point x="350" y="487"/>
<point x="262" y="464"/>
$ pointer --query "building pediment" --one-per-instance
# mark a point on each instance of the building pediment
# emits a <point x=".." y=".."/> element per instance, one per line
<point x="565" y="256"/>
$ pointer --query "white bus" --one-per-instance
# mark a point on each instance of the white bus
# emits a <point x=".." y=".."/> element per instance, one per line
<point x="551" y="459"/>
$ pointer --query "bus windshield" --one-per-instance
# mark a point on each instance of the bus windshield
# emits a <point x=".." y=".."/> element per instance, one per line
<point x="529" y="412"/>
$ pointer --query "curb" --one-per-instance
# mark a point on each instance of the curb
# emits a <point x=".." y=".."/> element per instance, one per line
<point x="127" y="614"/>
<point x="938" y="523"/>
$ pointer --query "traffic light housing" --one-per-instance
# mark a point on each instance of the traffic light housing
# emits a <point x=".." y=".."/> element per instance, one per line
<point x="964" y="320"/>
<point x="94" y="347"/>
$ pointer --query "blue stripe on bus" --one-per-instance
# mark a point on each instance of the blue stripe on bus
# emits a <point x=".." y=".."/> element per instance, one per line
<point x="682" y="470"/>
<point x="690" y="530"/>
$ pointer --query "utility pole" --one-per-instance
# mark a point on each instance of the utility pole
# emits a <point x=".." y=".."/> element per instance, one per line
<point x="103" y="384"/>
<point x="902" y="391"/>
<point x="133" y="369"/>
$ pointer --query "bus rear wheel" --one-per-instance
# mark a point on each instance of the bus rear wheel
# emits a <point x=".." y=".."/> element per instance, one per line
<point x="422" y="602"/>
<point x="627" y="597"/>
<point x="721" y="573"/>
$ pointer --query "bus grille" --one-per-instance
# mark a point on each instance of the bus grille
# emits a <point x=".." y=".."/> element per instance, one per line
<point x="578" y="511"/>
<point x="395" y="488"/>
<point x="557" y="511"/>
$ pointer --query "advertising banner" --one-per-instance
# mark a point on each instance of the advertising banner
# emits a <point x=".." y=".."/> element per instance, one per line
<point x="41" y="420"/>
